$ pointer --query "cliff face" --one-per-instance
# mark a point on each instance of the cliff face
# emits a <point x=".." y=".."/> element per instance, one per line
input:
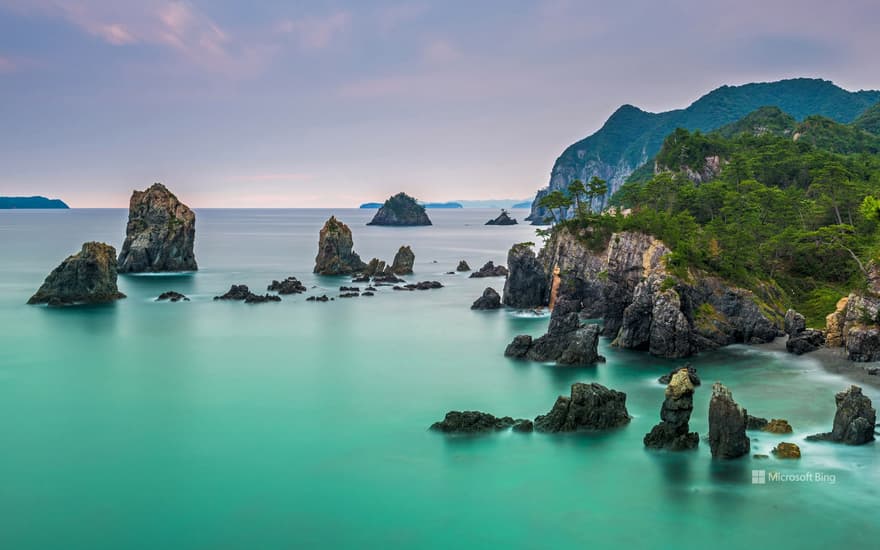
<point x="855" y="323"/>
<point x="631" y="136"/>
<point x="87" y="277"/>
<point x="645" y="307"/>
<point x="160" y="234"/>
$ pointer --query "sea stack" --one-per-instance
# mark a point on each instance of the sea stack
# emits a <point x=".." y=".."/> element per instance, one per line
<point x="335" y="254"/>
<point x="727" y="425"/>
<point x="401" y="210"/>
<point x="589" y="407"/>
<point x="854" y="420"/>
<point x="87" y="277"/>
<point x="502" y="219"/>
<point x="403" y="261"/>
<point x="160" y="234"/>
<point x="673" y="432"/>
<point x="527" y="285"/>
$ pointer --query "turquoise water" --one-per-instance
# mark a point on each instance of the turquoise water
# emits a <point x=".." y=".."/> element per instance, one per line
<point x="226" y="425"/>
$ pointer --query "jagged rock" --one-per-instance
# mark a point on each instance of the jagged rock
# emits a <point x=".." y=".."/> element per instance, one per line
<point x="590" y="407"/>
<point x="786" y="450"/>
<point x="403" y="261"/>
<point x="523" y="425"/>
<point x="160" y="233"/>
<point x="794" y="323"/>
<point x="471" y="422"/>
<point x="374" y="267"/>
<point x="673" y="431"/>
<point x="854" y="420"/>
<point x="335" y="254"/>
<point x="349" y="289"/>
<point x="863" y="343"/>
<point x="463" y="266"/>
<point x="423" y="285"/>
<point x="756" y="422"/>
<point x="777" y="426"/>
<point x="692" y="375"/>
<point x="568" y="342"/>
<point x="834" y="324"/>
<point x="87" y="277"/>
<point x="489" y="300"/>
<point x="527" y="284"/>
<point x="502" y="219"/>
<point x="242" y="293"/>
<point x="172" y="296"/>
<point x="727" y="425"/>
<point x="386" y="279"/>
<point x="290" y="285"/>
<point x="349" y="295"/>
<point x="490" y="270"/>
<point x="806" y="341"/>
<point x="401" y="209"/>
<point x="322" y="298"/>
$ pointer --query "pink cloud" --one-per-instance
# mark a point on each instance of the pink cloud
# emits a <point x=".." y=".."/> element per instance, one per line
<point x="315" y="33"/>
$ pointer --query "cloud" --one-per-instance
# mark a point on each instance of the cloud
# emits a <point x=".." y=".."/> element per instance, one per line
<point x="440" y="51"/>
<point x="273" y="176"/>
<point x="316" y="32"/>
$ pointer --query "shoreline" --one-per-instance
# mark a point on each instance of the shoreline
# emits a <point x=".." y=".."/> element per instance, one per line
<point x="833" y="361"/>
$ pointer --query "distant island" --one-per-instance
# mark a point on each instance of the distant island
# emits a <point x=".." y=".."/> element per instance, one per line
<point x="425" y="204"/>
<point x="8" y="203"/>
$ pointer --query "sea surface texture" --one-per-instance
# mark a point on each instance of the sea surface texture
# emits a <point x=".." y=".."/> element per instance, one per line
<point x="296" y="424"/>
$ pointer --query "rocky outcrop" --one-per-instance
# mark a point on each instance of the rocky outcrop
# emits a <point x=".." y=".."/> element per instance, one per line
<point x="421" y="285"/>
<point x="403" y="261"/>
<point x="335" y="250"/>
<point x="756" y="422"/>
<point x="463" y="266"/>
<point x="489" y="270"/>
<point x="855" y="323"/>
<point x="854" y="420"/>
<point x="777" y="426"/>
<point x="645" y="307"/>
<point x="673" y="431"/>
<point x="471" y="422"/>
<point x="241" y="293"/>
<point x="290" y="285"/>
<point x="863" y="343"/>
<point x="589" y="407"/>
<point x="87" y="277"/>
<point x="502" y="219"/>
<point x="727" y="425"/>
<point x="527" y="284"/>
<point x="786" y="450"/>
<point x="489" y="300"/>
<point x="401" y="210"/>
<point x="172" y="296"/>
<point x="794" y="323"/>
<point x="692" y="375"/>
<point x="834" y="324"/>
<point x="806" y="341"/>
<point x="567" y="342"/>
<point x="160" y="234"/>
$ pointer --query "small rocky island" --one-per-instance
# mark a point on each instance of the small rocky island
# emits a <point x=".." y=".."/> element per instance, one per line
<point x="854" y="420"/>
<point x="335" y="250"/>
<point x="502" y="219"/>
<point x="87" y="277"/>
<point x="401" y="210"/>
<point x="160" y="234"/>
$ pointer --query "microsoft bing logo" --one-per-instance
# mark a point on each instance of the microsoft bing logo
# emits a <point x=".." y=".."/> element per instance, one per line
<point x="759" y="477"/>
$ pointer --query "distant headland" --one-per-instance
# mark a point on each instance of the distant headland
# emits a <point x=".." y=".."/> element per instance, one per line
<point x="8" y="203"/>
<point x="425" y="204"/>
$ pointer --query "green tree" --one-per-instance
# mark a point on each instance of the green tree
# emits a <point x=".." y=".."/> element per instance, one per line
<point x="556" y="203"/>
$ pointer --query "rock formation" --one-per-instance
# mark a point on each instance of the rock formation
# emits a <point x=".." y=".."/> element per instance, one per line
<point x="855" y="323"/>
<point x="160" y="233"/>
<point x="854" y="420"/>
<point x="777" y="426"/>
<point x="727" y="425"/>
<point x="240" y="293"/>
<point x="590" y="407"/>
<point x="692" y="374"/>
<point x="290" y="285"/>
<point x="463" y="266"/>
<point x="403" y="261"/>
<point x="401" y="210"/>
<point x="421" y="285"/>
<point x="527" y="284"/>
<point x="489" y="300"/>
<point x="673" y="431"/>
<point x="87" y="277"/>
<point x="474" y="422"/>
<point x="800" y="338"/>
<point x="568" y="342"/>
<point x="172" y="296"/>
<point x="335" y="254"/>
<point x="786" y="450"/>
<point x="502" y="219"/>
<point x="794" y="323"/>
<point x="489" y="270"/>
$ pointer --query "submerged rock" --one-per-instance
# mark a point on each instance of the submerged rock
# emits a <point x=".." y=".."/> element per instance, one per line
<point x="589" y="407"/>
<point x="673" y="431"/>
<point x="527" y="284"/>
<point x="502" y="219"/>
<point x="87" y="277"/>
<point x="172" y="296"/>
<point x="335" y="254"/>
<point x="322" y="298"/>
<point x="786" y="450"/>
<point x="401" y="210"/>
<point x="727" y="425"/>
<point x="290" y="285"/>
<point x="854" y="420"/>
<point x="160" y="234"/>
<point x="489" y="300"/>
<point x="490" y="270"/>
<point x="239" y="293"/>
<point x="463" y="266"/>
<point x="403" y="261"/>
<point x="755" y="422"/>
<point x="473" y="422"/>
<point x="568" y="342"/>
<point x="692" y="375"/>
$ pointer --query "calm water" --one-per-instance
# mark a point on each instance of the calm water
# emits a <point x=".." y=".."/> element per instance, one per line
<point x="225" y="425"/>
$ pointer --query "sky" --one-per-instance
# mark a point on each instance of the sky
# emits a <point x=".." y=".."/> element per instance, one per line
<point x="329" y="104"/>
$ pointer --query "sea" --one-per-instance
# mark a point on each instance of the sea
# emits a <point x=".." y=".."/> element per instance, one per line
<point x="205" y="424"/>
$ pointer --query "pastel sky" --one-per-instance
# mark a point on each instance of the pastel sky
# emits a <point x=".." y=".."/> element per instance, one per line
<point x="275" y="103"/>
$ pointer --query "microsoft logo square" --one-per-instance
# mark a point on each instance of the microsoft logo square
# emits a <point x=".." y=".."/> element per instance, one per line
<point x="759" y="477"/>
